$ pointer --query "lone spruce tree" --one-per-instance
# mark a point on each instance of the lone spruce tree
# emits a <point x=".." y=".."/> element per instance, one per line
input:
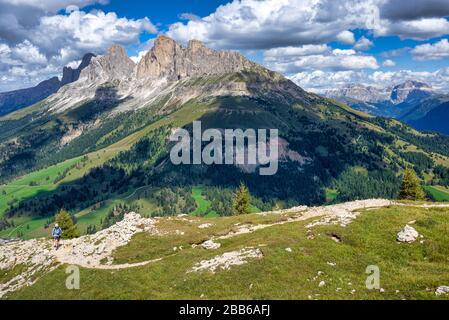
<point x="242" y="200"/>
<point x="65" y="221"/>
<point x="411" y="188"/>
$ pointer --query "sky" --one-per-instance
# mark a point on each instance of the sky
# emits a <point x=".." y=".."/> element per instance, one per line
<point x="319" y="44"/>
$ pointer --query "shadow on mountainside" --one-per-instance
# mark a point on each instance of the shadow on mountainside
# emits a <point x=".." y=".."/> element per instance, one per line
<point x="106" y="98"/>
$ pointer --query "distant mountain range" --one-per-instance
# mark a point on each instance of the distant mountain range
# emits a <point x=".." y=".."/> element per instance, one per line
<point x="410" y="102"/>
<point x="17" y="99"/>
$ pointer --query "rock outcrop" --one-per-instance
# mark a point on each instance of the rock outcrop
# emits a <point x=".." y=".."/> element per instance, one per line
<point x="408" y="234"/>
<point x="410" y="90"/>
<point x="443" y="290"/>
<point x="227" y="260"/>
<point x="210" y="245"/>
<point x="114" y="65"/>
<point x="169" y="59"/>
<point x="164" y="72"/>
<point x="70" y="75"/>
<point x="37" y="256"/>
<point x="360" y="92"/>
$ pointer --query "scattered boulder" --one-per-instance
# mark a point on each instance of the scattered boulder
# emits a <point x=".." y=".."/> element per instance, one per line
<point x="210" y="245"/>
<point x="205" y="226"/>
<point x="408" y="234"/>
<point x="443" y="290"/>
<point x="228" y="259"/>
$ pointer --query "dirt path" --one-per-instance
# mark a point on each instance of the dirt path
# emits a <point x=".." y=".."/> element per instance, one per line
<point x="339" y="212"/>
<point x="37" y="256"/>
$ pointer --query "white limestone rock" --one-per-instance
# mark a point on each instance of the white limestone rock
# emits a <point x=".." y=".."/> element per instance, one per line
<point x="408" y="235"/>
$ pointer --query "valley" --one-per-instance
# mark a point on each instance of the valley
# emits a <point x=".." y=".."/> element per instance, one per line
<point x="232" y="153"/>
<point x="119" y="159"/>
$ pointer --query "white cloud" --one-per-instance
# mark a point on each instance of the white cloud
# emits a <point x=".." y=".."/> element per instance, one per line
<point x="60" y="39"/>
<point x="305" y="50"/>
<point x="73" y="64"/>
<point x="346" y="37"/>
<point x="363" y="44"/>
<point x="294" y="33"/>
<point x="139" y="56"/>
<point x="388" y="63"/>
<point x="399" y="11"/>
<point x="395" y="52"/>
<point x="189" y="16"/>
<point x="28" y="53"/>
<point x="142" y="50"/>
<point x="83" y="32"/>
<point x="319" y="81"/>
<point x="51" y="5"/>
<point x="295" y="59"/>
<point x="435" y="51"/>
<point x="343" y="52"/>
<point x="421" y="29"/>
<point x="254" y="24"/>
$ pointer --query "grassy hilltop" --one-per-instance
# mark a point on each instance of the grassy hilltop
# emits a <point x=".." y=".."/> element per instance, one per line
<point x="295" y="261"/>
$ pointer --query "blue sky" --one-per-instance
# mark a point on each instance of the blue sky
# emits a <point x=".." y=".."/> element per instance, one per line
<point x="319" y="44"/>
<point x="161" y="13"/>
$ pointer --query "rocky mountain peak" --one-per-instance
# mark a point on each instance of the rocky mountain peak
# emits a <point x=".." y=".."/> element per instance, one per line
<point x="70" y="75"/>
<point x="115" y="64"/>
<point x="117" y="52"/>
<point x="410" y="90"/>
<point x="169" y="59"/>
<point x="196" y="45"/>
<point x="360" y="92"/>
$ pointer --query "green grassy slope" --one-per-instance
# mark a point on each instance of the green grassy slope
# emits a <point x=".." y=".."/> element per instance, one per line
<point x="438" y="193"/>
<point x="202" y="204"/>
<point x="407" y="271"/>
<point x="42" y="181"/>
<point x="20" y="189"/>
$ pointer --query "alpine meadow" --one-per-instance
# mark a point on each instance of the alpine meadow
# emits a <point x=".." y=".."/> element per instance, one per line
<point x="224" y="150"/>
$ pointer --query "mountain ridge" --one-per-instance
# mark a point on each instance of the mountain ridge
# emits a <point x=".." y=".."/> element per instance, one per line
<point x="18" y="99"/>
<point x="393" y="95"/>
<point x="95" y="142"/>
<point x="408" y="101"/>
<point x="166" y="65"/>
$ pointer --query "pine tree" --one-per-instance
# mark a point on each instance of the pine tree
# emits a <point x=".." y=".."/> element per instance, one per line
<point x="411" y="188"/>
<point x="65" y="221"/>
<point x="242" y="200"/>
